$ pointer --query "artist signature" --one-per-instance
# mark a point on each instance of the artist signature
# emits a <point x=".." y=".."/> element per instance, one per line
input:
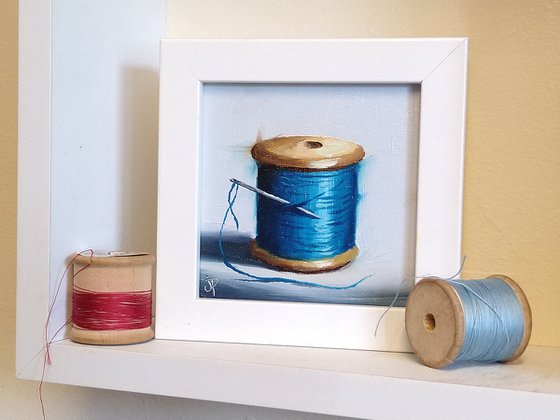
<point x="211" y="283"/>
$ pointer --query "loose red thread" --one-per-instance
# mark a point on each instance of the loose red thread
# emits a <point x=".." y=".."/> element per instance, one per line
<point x="49" y="341"/>
<point x="111" y="310"/>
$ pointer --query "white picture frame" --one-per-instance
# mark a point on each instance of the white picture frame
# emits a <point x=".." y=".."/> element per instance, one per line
<point x="438" y="66"/>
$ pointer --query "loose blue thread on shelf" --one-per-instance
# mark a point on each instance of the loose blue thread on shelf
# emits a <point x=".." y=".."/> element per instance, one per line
<point x="232" y="195"/>
<point x="402" y="283"/>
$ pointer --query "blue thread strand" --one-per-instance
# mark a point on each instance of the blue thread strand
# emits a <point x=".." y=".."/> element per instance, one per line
<point x="494" y="321"/>
<point x="287" y="233"/>
<point x="232" y="195"/>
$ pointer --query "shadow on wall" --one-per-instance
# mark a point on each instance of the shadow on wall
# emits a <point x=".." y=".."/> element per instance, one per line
<point x="139" y="154"/>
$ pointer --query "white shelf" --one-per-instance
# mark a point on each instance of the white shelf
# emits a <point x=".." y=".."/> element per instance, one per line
<point x="363" y="384"/>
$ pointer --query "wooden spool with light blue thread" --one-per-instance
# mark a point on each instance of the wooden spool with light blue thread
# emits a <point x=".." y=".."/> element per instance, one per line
<point x="436" y="322"/>
<point x="294" y="168"/>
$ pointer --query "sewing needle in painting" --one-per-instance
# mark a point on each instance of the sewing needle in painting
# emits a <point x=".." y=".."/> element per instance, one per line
<point x="272" y="197"/>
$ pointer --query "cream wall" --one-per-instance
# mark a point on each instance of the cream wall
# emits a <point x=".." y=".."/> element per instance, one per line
<point x="512" y="177"/>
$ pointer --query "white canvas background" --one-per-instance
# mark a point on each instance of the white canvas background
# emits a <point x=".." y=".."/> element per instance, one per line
<point x="383" y="119"/>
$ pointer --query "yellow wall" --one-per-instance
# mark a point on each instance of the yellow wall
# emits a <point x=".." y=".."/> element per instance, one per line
<point x="512" y="179"/>
<point x="8" y="185"/>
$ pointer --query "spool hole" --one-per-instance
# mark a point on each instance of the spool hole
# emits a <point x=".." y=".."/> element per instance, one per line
<point x="313" y="144"/>
<point x="429" y="322"/>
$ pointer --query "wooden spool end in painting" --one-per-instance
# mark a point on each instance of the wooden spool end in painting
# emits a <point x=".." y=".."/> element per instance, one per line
<point x="304" y="266"/>
<point x="113" y="273"/>
<point x="310" y="153"/>
<point x="435" y="321"/>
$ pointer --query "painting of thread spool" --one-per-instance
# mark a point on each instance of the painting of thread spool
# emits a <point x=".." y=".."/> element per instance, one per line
<point x="322" y="214"/>
<point x="312" y="228"/>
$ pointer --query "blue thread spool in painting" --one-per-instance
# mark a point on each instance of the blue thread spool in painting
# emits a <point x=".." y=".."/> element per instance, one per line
<point x="450" y="321"/>
<point x="319" y="174"/>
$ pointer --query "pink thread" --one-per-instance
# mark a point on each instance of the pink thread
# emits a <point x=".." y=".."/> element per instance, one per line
<point x="99" y="311"/>
<point x="49" y="341"/>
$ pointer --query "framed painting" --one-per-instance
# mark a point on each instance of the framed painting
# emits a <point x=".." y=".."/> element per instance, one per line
<point x="305" y="185"/>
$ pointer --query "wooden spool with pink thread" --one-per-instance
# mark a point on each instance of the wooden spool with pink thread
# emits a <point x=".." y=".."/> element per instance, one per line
<point x="112" y="298"/>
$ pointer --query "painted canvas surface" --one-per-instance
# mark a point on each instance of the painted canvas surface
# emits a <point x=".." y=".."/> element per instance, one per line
<point x="382" y="119"/>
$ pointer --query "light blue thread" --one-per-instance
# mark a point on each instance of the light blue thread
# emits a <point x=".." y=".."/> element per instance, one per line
<point x="388" y="307"/>
<point x="494" y="321"/>
<point x="232" y="195"/>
